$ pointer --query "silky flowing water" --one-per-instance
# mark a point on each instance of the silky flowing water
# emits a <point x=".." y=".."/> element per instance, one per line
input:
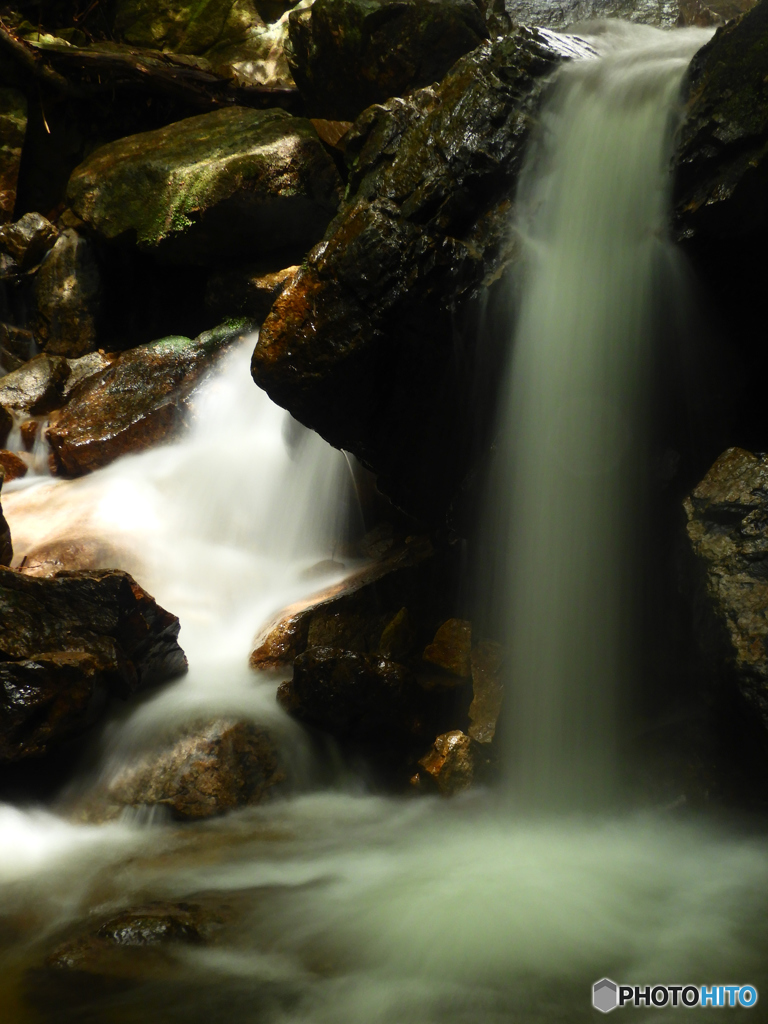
<point x="346" y="907"/>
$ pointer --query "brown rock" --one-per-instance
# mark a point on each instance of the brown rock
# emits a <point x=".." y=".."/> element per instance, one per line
<point x="19" y="342"/>
<point x="450" y="763"/>
<point x="487" y="690"/>
<point x="136" y="402"/>
<point x="332" y="133"/>
<point x="207" y="770"/>
<point x="69" y="642"/>
<point x="13" y="467"/>
<point x="728" y="532"/>
<point x="29" y="431"/>
<point x="357" y="611"/>
<point x="6" y="545"/>
<point x="36" y="388"/>
<point x="451" y="648"/>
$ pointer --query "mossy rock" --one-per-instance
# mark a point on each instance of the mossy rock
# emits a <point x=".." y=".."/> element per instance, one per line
<point x="235" y="183"/>
<point x="184" y="26"/>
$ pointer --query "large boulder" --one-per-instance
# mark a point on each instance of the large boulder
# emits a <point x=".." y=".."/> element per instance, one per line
<point x="235" y="183"/>
<point x="183" y="26"/>
<point x="69" y="642"/>
<point x="347" y="54"/>
<point x="728" y="533"/>
<point x="138" y="400"/>
<point x="366" y="344"/>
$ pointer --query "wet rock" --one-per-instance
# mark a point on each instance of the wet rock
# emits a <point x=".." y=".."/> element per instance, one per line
<point x="68" y="298"/>
<point x="13" y="127"/>
<point x="365" y="345"/>
<point x="365" y="612"/>
<point x="83" y="368"/>
<point x="235" y="183"/>
<point x="728" y="533"/>
<point x="13" y="467"/>
<point x="332" y="133"/>
<point x="451" y="648"/>
<point x="450" y="763"/>
<point x="137" y="401"/>
<point x="361" y="697"/>
<point x="6" y="544"/>
<point x="347" y="54"/>
<point x="69" y="642"/>
<point x="17" y="341"/>
<point x="208" y="770"/>
<point x="28" y="240"/>
<point x="29" y="431"/>
<point x="184" y="26"/>
<point x="35" y="388"/>
<point x="487" y="690"/>
<point x="722" y="154"/>
<point x="662" y="13"/>
<point x="246" y="291"/>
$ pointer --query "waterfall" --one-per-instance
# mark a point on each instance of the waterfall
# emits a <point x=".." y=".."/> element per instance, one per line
<point x="568" y="500"/>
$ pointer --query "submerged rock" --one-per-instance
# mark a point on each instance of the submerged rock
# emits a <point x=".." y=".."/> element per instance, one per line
<point x="137" y="401"/>
<point x="207" y="770"/>
<point x="233" y="183"/>
<point x="68" y="298"/>
<point x="347" y="54"/>
<point x="728" y="532"/>
<point x="365" y="345"/>
<point x="69" y="642"/>
<point x="13" y="127"/>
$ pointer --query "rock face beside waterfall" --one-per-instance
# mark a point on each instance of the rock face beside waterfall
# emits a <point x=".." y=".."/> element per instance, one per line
<point x="728" y="532"/>
<point x="232" y="183"/>
<point x="67" y="644"/>
<point x="366" y="344"/>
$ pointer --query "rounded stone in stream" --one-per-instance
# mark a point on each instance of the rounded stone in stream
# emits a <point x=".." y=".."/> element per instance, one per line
<point x="206" y="770"/>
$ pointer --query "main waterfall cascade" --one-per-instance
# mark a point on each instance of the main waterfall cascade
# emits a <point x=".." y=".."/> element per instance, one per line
<point x="568" y="502"/>
<point x="355" y="907"/>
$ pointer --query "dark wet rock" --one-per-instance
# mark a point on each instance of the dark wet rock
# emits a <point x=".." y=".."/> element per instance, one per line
<point x="29" y="430"/>
<point x="6" y="421"/>
<point x="207" y="770"/>
<point x="366" y="344"/>
<point x="68" y="298"/>
<point x="246" y="291"/>
<point x="365" y="612"/>
<point x="487" y="690"/>
<point x="6" y="543"/>
<point x="137" y="401"/>
<point x="728" y="532"/>
<point x="347" y="54"/>
<point x="69" y="642"/>
<point x="28" y="240"/>
<point x="14" y="468"/>
<point x="360" y="697"/>
<point x="722" y="153"/>
<point x="17" y="341"/>
<point x="451" y="648"/>
<point x="233" y="183"/>
<point x="662" y="13"/>
<point x="449" y="763"/>
<point x="13" y="127"/>
<point x="35" y="388"/>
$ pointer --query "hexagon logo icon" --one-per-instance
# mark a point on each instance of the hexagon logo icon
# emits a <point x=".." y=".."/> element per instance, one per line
<point x="605" y="995"/>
